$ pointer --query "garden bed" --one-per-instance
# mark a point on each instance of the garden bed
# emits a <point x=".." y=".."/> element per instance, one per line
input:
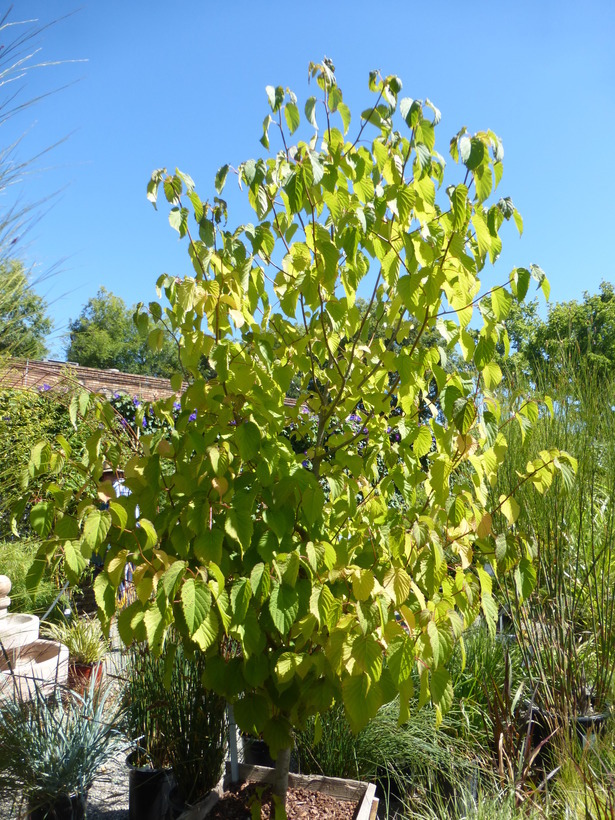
<point x="328" y="798"/>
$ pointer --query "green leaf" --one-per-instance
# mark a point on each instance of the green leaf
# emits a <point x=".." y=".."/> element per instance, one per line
<point x="172" y="576"/>
<point x="464" y="415"/>
<point x="310" y="111"/>
<point x="220" y="179"/>
<point x="283" y="607"/>
<point x="490" y="611"/>
<point x="119" y="515"/>
<point x="155" y="339"/>
<point x="363" y="584"/>
<point x="275" y="96"/>
<point x="292" y="117"/>
<point x="476" y="154"/>
<point x="156" y="623"/>
<point x="539" y="275"/>
<point x="35" y="573"/>
<point x="525" y="578"/>
<point x="41" y="518"/>
<point x="172" y="187"/>
<point x="264" y="140"/>
<point x="196" y="603"/>
<point x="105" y="595"/>
<point x="74" y="562"/>
<point x="251" y="713"/>
<point x="148" y="529"/>
<point x="362" y="699"/>
<point x="344" y="112"/>
<point x="401" y="659"/>
<point x="207" y="546"/>
<point x="241" y="593"/>
<point x="207" y="632"/>
<point x="459" y="200"/>
<point x="66" y="528"/>
<point x="295" y="188"/>
<point x="40" y="457"/>
<point x="520" y="282"/>
<point x="312" y="503"/>
<point x="484" y="353"/>
<point x="441" y="692"/>
<point x="396" y="584"/>
<point x="510" y="509"/>
<point x="501" y="302"/>
<point x="367" y="653"/>
<point x="492" y="375"/>
<point x="518" y="221"/>
<point x="423" y="442"/>
<point x="248" y="438"/>
<point x="96" y="527"/>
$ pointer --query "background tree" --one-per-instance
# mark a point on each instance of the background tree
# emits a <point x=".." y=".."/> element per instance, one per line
<point x="24" y="322"/>
<point x="573" y="331"/>
<point x="581" y="330"/>
<point x="106" y="336"/>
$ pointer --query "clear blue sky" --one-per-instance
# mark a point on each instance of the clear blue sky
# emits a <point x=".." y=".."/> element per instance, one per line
<point x="182" y="84"/>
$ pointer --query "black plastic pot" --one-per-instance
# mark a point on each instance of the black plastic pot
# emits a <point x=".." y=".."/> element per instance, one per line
<point x="62" y="808"/>
<point x="177" y="805"/>
<point x="540" y="723"/>
<point x="256" y="752"/>
<point x="148" y="791"/>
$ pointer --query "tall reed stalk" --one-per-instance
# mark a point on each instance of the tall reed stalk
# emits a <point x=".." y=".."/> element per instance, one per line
<point x="566" y="628"/>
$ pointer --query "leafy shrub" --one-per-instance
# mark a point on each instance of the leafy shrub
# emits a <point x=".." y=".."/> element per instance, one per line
<point x="16" y="558"/>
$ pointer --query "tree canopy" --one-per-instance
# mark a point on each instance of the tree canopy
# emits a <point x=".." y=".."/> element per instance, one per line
<point x="24" y="322"/>
<point x="348" y="571"/>
<point x="105" y="336"/>
<point x="573" y="330"/>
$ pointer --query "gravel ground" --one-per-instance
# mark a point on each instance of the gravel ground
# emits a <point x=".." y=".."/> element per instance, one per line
<point x="108" y="798"/>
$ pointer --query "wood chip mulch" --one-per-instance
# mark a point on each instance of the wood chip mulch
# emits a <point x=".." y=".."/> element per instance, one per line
<point x="301" y="804"/>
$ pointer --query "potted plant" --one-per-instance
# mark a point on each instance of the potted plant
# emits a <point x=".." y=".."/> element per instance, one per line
<point x="196" y="728"/>
<point x="87" y="648"/>
<point x="53" y="747"/>
<point x="147" y="702"/>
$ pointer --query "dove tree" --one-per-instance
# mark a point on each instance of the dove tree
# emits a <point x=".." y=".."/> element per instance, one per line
<point x="334" y="547"/>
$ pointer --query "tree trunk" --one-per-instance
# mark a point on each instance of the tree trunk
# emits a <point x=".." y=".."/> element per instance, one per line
<point x="280" y="779"/>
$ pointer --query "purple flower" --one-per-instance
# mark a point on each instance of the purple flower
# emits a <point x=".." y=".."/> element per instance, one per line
<point x="136" y="402"/>
<point x="44" y="388"/>
<point x="116" y="395"/>
<point x="306" y="463"/>
<point x="123" y="422"/>
<point x="365" y="430"/>
<point x="144" y="423"/>
<point x="177" y="406"/>
<point x="354" y="417"/>
<point x="304" y="410"/>
<point x="232" y="423"/>
<point x="192" y="416"/>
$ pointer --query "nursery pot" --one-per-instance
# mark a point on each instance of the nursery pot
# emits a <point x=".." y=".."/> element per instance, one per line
<point x="148" y="791"/>
<point x="62" y="808"/>
<point x="80" y="675"/>
<point x="177" y="805"/>
<point x="256" y="752"/>
<point x="542" y="722"/>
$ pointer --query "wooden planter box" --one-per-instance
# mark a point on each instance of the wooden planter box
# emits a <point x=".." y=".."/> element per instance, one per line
<point x="364" y="794"/>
